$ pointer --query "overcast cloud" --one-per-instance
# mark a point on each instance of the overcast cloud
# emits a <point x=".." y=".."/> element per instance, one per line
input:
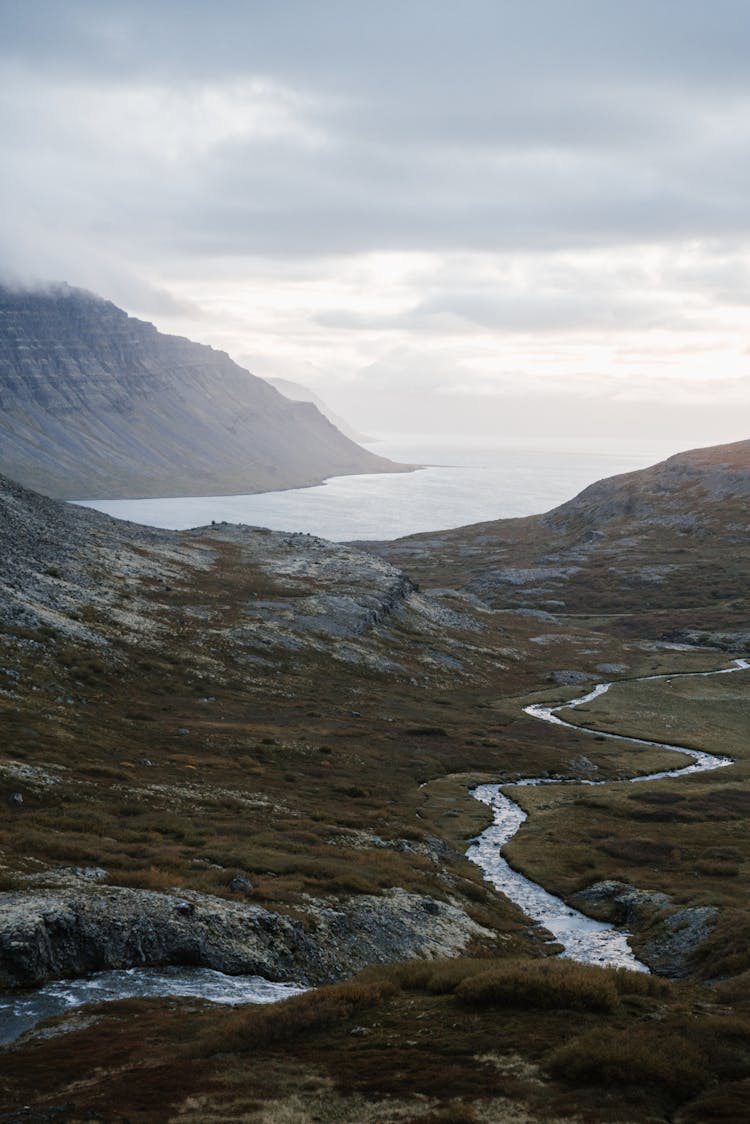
<point x="401" y="204"/>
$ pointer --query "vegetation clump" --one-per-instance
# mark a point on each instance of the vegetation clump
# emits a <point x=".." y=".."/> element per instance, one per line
<point x="282" y="1022"/>
<point x="611" y="1056"/>
<point x="541" y="985"/>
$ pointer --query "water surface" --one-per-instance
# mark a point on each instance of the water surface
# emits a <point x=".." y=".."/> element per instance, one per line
<point x="19" y="1011"/>
<point x="462" y="483"/>
<point x="591" y="942"/>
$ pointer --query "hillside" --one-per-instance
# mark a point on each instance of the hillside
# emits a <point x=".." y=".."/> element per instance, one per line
<point x="661" y="552"/>
<point x="253" y="752"/>
<point x="97" y="404"/>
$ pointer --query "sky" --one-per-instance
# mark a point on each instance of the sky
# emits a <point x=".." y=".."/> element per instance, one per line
<point x="499" y="218"/>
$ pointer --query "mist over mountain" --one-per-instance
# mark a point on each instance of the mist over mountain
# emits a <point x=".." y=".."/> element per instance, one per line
<point x="299" y="393"/>
<point x="97" y="404"/>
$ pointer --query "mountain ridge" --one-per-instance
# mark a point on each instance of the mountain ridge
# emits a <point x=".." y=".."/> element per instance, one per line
<point x="97" y="404"/>
<point x="657" y="551"/>
<point x="296" y="392"/>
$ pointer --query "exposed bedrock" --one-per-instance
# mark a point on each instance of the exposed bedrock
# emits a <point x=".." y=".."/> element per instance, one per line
<point x="74" y="931"/>
<point x="666" y="938"/>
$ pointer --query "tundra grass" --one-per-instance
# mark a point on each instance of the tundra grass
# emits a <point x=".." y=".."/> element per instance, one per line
<point x="458" y="1040"/>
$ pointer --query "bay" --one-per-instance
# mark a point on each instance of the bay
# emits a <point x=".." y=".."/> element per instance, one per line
<point x="462" y="481"/>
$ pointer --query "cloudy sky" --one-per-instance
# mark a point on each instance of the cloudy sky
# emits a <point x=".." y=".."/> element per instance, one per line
<point x="491" y="216"/>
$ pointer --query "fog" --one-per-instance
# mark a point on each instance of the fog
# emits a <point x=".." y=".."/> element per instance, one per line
<point x="512" y="221"/>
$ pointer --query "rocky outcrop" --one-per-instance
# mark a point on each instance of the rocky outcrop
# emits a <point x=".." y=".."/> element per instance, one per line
<point x="94" y="403"/>
<point x="620" y="903"/>
<point x="666" y="937"/>
<point x="395" y="926"/>
<point x="669" y="946"/>
<point x="76" y="928"/>
<point x="53" y="934"/>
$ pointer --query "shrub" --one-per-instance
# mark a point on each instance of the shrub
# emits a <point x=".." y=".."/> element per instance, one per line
<point x="639" y="983"/>
<point x="618" y="1057"/>
<point x="726" y="952"/>
<point x="717" y="868"/>
<point x="457" y="1112"/>
<point x="542" y="985"/>
<point x="438" y="977"/>
<point x="282" y="1022"/>
<point x="425" y="732"/>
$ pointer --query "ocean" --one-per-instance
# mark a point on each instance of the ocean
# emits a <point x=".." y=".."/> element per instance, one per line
<point x="463" y="481"/>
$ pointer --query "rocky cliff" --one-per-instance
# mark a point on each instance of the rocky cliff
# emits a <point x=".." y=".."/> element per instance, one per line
<point x="97" y="404"/>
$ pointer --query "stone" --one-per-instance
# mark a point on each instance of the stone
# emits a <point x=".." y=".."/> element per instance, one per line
<point x="85" y="927"/>
<point x="240" y="883"/>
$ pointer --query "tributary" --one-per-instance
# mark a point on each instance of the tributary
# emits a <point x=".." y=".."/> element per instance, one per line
<point x="592" y="942"/>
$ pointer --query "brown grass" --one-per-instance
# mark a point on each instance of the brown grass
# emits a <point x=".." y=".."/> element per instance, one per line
<point x="609" y="1056"/>
<point x="541" y="985"/>
<point x="283" y="1022"/>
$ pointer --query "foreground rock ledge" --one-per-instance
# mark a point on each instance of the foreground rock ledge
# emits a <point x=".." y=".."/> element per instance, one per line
<point x="53" y="934"/>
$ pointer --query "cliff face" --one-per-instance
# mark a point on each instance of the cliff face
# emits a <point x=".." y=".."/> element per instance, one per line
<point x="97" y="404"/>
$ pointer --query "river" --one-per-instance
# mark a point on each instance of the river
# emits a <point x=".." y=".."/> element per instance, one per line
<point x="591" y="942"/>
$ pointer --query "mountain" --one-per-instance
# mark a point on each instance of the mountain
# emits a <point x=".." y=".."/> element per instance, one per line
<point x="664" y="550"/>
<point x="97" y="404"/>
<point x="299" y="393"/>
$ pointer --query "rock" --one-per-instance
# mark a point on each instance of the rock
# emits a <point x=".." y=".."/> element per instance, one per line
<point x="582" y="766"/>
<point x="73" y="931"/>
<point x="15" y="800"/>
<point x="46" y="935"/>
<point x="665" y="943"/>
<point x="570" y="678"/>
<point x="620" y="903"/>
<point x="240" y="883"/>
<point x="670" y="949"/>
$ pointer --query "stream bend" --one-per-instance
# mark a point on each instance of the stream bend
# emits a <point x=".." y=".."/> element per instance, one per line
<point x="593" y="942"/>
<point x="583" y="939"/>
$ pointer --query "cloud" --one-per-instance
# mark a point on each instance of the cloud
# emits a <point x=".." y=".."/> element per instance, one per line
<point x="291" y="130"/>
<point x="393" y="193"/>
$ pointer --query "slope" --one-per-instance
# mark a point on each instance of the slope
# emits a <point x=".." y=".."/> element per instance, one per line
<point x="662" y="552"/>
<point x="97" y="404"/>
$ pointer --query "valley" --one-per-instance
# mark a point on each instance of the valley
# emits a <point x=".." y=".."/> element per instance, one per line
<point x="254" y="751"/>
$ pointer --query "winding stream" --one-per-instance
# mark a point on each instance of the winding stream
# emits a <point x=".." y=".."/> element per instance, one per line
<point x="592" y="942"/>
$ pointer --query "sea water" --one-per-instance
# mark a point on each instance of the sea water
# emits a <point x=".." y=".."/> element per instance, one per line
<point x="462" y="481"/>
